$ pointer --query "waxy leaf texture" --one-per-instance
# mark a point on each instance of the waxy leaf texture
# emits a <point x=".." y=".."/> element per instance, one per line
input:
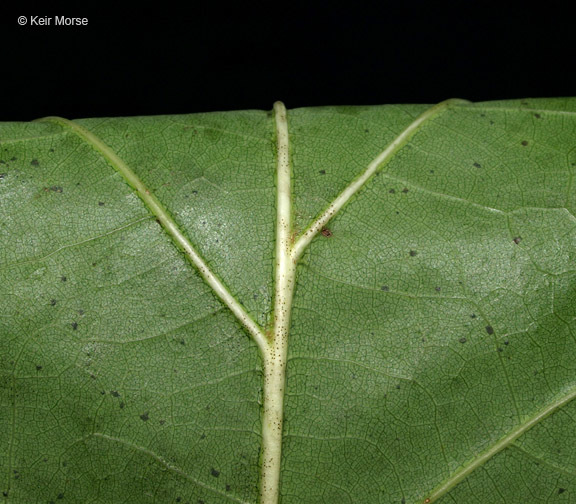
<point x="408" y="270"/>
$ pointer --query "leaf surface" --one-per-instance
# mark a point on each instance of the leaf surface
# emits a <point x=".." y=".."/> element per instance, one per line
<point x="432" y="340"/>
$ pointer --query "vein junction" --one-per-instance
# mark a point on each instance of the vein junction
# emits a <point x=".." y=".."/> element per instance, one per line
<point x="287" y="256"/>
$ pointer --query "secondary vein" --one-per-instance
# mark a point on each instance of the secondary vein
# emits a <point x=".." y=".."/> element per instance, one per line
<point x="378" y="162"/>
<point x="166" y="221"/>
<point x="500" y="445"/>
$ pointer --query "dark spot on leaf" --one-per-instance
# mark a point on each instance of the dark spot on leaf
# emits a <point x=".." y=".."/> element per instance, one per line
<point x="561" y="490"/>
<point x="178" y="499"/>
<point x="162" y="422"/>
<point x="144" y="417"/>
<point x="34" y="162"/>
<point x="38" y="368"/>
<point x="203" y="436"/>
<point x="366" y="131"/>
<point x="122" y="405"/>
<point x="194" y="192"/>
<point x="385" y="288"/>
<point x="403" y="501"/>
<point x="182" y="342"/>
<point x="506" y="342"/>
<point x="101" y="203"/>
<point x="322" y="172"/>
<point x="392" y="191"/>
<point x="74" y="326"/>
<point x="524" y="143"/>
<point x="477" y="165"/>
<point x="405" y="190"/>
<point x="50" y="150"/>
<point x="431" y="171"/>
<point x="500" y="349"/>
<point x="13" y="158"/>
<point x="80" y="312"/>
<point x="537" y="116"/>
<point x="437" y="289"/>
<point x="398" y="387"/>
<point x="413" y="253"/>
<point x="215" y="473"/>
<point x="491" y="123"/>
<point x="473" y="315"/>
<point x="60" y="496"/>
<point x="517" y="239"/>
<point x="114" y="393"/>
<point x="103" y="392"/>
<point x="489" y="329"/>
<point x="462" y="340"/>
<point x="52" y="302"/>
<point x="228" y="488"/>
<point x="63" y="278"/>
<point x="93" y="377"/>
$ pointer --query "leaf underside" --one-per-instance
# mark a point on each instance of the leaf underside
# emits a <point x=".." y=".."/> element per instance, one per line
<point x="433" y="340"/>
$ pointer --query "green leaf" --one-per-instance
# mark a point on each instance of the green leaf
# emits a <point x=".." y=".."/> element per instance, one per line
<point x="408" y="270"/>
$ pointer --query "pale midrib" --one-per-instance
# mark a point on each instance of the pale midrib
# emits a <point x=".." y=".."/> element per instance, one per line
<point x="275" y="358"/>
<point x="497" y="447"/>
<point x="169" y="225"/>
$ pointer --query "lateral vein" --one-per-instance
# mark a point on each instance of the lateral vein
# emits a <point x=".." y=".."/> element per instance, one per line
<point x="168" y="465"/>
<point x="378" y="162"/>
<point x="169" y="225"/>
<point x="500" y="445"/>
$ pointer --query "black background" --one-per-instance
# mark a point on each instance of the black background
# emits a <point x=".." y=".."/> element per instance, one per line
<point x="197" y="58"/>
